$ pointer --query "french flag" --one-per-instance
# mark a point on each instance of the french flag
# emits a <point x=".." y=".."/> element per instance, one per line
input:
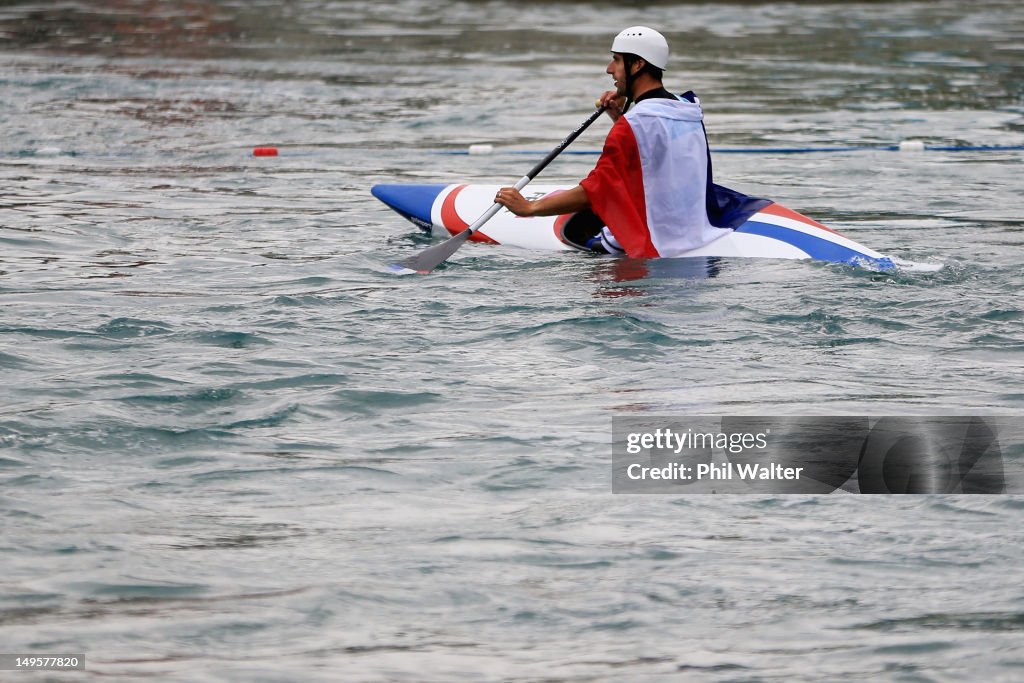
<point x="651" y="184"/>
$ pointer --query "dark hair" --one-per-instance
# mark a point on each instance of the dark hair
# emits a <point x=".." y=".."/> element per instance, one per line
<point x="628" y="58"/>
<point x="654" y="71"/>
<point x="648" y="68"/>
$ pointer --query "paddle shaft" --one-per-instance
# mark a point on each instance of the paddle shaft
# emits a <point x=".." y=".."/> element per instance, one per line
<point x="432" y="257"/>
<point x="535" y="171"/>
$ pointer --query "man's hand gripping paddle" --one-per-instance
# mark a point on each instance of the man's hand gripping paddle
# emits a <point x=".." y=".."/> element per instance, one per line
<point x="432" y="257"/>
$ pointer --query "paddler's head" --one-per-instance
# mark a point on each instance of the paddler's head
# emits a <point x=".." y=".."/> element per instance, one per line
<point x="637" y="51"/>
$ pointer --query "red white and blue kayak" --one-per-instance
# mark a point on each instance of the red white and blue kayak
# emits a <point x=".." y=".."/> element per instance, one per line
<point x="771" y="232"/>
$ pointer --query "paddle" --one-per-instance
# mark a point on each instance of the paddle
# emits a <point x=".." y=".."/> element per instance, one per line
<point x="432" y="257"/>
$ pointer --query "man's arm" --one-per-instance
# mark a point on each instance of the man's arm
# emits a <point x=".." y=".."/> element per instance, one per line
<point x="554" y="204"/>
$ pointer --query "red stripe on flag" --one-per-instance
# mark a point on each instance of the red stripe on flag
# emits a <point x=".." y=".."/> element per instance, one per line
<point x="615" y="189"/>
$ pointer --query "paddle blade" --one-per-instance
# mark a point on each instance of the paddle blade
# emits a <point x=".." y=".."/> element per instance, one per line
<point x="431" y="257"/>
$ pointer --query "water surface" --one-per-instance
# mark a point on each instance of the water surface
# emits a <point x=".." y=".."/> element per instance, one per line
<point x="234" y="447"/>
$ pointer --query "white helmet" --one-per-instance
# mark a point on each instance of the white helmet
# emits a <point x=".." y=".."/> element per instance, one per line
<point x="643" y="42"/>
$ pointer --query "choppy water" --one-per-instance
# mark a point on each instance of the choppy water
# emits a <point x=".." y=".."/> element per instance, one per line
<point x="233" y="447"/>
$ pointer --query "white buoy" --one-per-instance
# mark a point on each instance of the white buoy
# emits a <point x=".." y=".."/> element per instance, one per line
<point x="481" y="149"/>
<point x="911" y="146"/>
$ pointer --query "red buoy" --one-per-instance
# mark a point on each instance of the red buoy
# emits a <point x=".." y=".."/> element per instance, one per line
<point x="265" y="152"/>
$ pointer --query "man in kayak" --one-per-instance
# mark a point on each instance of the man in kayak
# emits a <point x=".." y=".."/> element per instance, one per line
<point x="652" y="184"/>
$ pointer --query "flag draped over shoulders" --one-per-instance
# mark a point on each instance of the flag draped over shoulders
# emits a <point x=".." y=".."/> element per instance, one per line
<point x="650" y="184"/>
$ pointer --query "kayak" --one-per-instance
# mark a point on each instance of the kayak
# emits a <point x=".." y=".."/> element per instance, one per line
<point x="771" y="231"/>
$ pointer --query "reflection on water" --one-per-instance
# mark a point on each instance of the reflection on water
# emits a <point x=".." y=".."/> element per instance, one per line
<point x="612" y="272"/>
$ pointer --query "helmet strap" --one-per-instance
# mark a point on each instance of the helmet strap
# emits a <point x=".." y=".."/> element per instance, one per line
<point x="628" y="61"/>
